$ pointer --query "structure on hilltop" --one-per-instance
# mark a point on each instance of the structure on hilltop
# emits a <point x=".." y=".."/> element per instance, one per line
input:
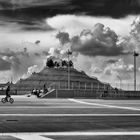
<point x="55" y="77"/>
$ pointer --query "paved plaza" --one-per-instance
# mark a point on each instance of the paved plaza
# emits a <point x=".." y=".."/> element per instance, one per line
<point x="69" y="119"/>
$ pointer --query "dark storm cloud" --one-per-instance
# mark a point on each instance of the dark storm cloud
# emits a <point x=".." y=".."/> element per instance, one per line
<point x="113" y="8"/>
<point x="31" y="14"/>
<point x="35" y="26"/>
<point x="24" y="24"/>
<point x="111" y="61"/>
<point x="47" y="8"/>
<point x="20" y="4"/>
<point x="31" y="10"/>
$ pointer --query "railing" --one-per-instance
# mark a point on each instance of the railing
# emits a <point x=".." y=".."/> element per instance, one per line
<point x="78" y="85"/>
<point x="126" y="86"/>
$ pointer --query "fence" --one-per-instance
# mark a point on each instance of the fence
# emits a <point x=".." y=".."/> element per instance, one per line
<point x="94" y="86"/>
<point x="79" y="85"/>
<point x="126" y="86"/>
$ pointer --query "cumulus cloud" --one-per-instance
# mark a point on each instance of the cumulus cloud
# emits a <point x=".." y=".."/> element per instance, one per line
<point x="96" y="41"/>
<point x="96" y="70"/>
<point x="112" y="69"/>
<point x="4" y="65"/>
<point x="120" y="69"/>
<point x="135" y="27"/>
<point x="100" y="40"/>
<point x="55" y="52"/>
<point x="60" y="51"/>
<point x="135" y="34"/>
<point x="5" y="76"/>
<point x="129" y="43"/>
<point x="19" y="62"/>
<point x="30" y="71"/>
<point x="132" y="41"/>
<point x="46" y="53"/>
<point x="63" y="37"/>
<point x="121" y="66"/>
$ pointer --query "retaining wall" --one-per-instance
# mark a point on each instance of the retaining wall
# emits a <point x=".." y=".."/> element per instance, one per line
<point x="92" y="94"/>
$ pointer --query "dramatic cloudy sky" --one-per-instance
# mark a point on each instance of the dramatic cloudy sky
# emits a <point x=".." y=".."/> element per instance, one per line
<point x="102" y="35"/>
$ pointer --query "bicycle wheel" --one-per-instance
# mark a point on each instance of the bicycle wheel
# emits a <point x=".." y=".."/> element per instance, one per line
<point x="11" y="100"/>
<point x="3" y="100"/>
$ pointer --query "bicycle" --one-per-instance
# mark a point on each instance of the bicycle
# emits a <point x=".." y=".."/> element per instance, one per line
<point x="9" y="99"/>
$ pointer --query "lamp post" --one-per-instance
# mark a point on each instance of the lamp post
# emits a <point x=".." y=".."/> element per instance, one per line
<point x="69" y="53"/>
<point x="120" y="80"/>
<point x="135" y="80"/>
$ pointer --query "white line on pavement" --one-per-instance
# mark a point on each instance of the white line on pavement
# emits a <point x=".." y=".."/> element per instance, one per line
<point x="79" y="133"/>
<point x="57" y="107"/>
<point x="67" y="115"/>
<point x="104" y="105"/>
<point x="30" y="137"/>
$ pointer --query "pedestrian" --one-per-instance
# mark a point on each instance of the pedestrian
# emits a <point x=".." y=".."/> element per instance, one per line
<point x="45" y="89"/>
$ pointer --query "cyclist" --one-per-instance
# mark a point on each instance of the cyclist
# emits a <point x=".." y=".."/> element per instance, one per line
<point x="7" y="93"/>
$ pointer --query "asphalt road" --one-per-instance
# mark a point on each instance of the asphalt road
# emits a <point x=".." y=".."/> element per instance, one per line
<point x="29" y="114"/>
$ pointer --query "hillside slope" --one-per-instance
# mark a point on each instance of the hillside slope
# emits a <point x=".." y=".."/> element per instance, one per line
<point x="57" y="78"/>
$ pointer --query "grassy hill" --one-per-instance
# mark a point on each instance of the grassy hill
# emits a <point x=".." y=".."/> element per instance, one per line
<point x="57" y="78"/>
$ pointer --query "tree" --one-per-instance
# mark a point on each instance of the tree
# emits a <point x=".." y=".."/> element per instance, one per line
<point x="56" y="64"/>
<point x="70" y="63"/>
<point x="50" y="63"/>
<point x="64" y="63"/>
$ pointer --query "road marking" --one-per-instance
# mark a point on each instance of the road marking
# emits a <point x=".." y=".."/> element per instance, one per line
<point x="103" y="105"/>
<point x="30" y="137"/>
<point x="79" y="133"/>
<point x="34" y="107"/>
<point x="67" y="115"/>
